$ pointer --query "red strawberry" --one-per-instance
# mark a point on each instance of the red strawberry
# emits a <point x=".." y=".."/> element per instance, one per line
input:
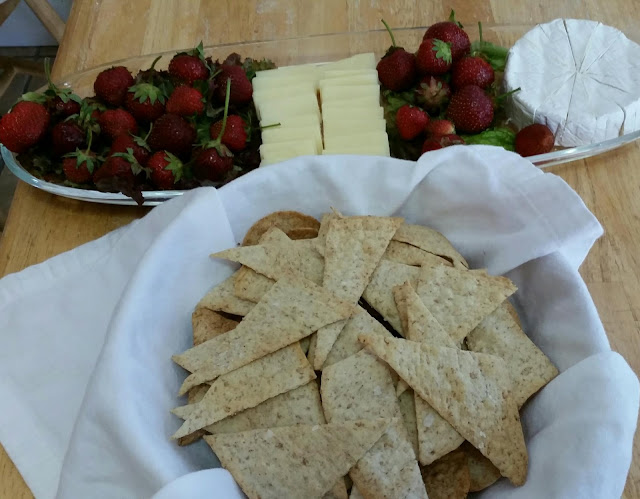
<point x="534" y="139"/>
<point x="411" y="121"/>
<point x="145" y="102"/>
<point x="452" y="33"/>
<point x="23" y="126"/>
<point x="235" y="135"/>
<point x="165" y="168"/>
<point x="64" y="109"/>
<point x="114" y="122"/>
<point x="78" y="166"/>
<point x="112" y="84"/>
<point x="210" y="165"/>
<point x="241" y="88"/>
<point x="470" y="109"/>
<point x="433" y="93"/>
<point x="397" y="68"/>
<point x="172" y="133"/>
<point x="114" y="166"/>
<point x="66" y="137"/>
<point x="188" y="68"/>
<point x="438" y="142"/>
<point x="472" y="71"/>
<point x="433" y="57"/>
<point x="440" y="127"/>
<point x="185" y="101"/>
<point x="139" y="148"/>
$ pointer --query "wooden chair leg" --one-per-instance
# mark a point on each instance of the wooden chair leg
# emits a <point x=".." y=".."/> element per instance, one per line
<point x="6" y="78"/>
<point x="6" y="8"/>
<point x="22" y="66"/>
<point x="48" y="17"/>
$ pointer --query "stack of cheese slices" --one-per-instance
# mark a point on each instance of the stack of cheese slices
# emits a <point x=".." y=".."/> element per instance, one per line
<point x="351" y="116"/>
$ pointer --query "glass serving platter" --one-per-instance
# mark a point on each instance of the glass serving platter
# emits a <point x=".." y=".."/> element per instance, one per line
<point x="285" y="52"/>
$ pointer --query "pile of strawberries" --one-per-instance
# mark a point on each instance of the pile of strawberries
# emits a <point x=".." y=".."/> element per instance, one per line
<point x="448" y="87"/>
<point x="194" y="124"/>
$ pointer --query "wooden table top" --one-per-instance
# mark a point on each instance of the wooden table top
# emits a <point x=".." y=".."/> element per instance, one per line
<point x="41" y="225"/>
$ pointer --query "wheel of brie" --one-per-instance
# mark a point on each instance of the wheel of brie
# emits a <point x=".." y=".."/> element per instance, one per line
<point x="580" y="78"/>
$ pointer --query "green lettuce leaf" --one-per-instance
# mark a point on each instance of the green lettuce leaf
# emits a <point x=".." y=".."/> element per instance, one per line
<point x="502" y="137"/>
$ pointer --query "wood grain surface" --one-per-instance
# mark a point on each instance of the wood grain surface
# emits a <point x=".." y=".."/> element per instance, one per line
<point x="41" y="225"/>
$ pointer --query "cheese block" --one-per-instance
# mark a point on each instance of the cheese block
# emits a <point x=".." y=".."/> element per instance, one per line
<point x="281" y="89"/>
<point x="273" y="110"/>
<point x="580" y="78"/>
<point x="347" y="125"/>
<point x="343" y="73"/>
<point x="300" y="120"/>
<point x="347" y="81"/>
<point x="329" y="94"/>
<point x="340" y="112"/>
<point x="286" y="134"/>
<point x="274" y="153"/>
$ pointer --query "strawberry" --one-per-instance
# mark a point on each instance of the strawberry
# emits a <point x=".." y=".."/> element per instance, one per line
<point x="61" y="102"/>
<point x="438" y="142"/>
<point x="241" y="88"/>
<point x="114" y="166"/>
<point x="397" y="68"/>
<point x="114" y="122"/>
<point x="145" y="102"/>
<point x="166" y="169"/>
<point x="23" y="126"/>
<point x="452" y="33"/>
<point x="172" y="133"/>
<point x="432" y="93"/>
<point x="189" y="66"/>
<point x="78" y="166"/>
<point x="470" y="109"/>
<point x="472" y="71"/>
<point x="235" y="135"/>
<point x="64" y="109"/>
<point x="211" y="165"/>
<point x="534" y="139"/>
<point x="440" y="127"/>
<point x="140" y="149"/>
<point x="112" y="84"/>
<point x="66" y="137"/>
<point x="185" y="101"/>
<point x="433" y="57"/>
<point x="411" y="121"/>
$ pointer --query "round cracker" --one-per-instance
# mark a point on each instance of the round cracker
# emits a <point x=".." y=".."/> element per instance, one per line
<point x="284" y="220"/>
<point x="303" y="233"/>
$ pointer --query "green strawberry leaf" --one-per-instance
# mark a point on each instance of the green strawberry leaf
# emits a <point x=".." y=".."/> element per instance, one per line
<point x="502" y="137"/>
<point x="175" y="166"/>
<point x="493" y="54"/>
<point x="144" y="91"/>
<point x="442" y="50"/>
<point x="452" y="18"/>
<point x="34" y="97"/>
<point x="252" y="66"/>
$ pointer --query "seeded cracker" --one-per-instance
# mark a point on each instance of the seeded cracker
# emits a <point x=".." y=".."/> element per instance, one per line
<point x="499" y="334"/>
<point x="285" y="220"/>
<point x="379" y="292"/>
<point x="208" y="324"/>
<point x="295" y="461"/>
<point x="412" y="255"/>
<point x="222" y="299"/>
<point x="247" y="387"/>
<point x="291" y="310"/>
<point x="461" y="299"/>
<point x="360" y="387"/>
<point x="408" y="410"/>
<point x="353" y="248"/>
<point x="482" y="472"/>
<point x="472" y="391"/>
<point x="448" y="477"/>
<point x="324" y="228"/>
<point x="429" y="240"/>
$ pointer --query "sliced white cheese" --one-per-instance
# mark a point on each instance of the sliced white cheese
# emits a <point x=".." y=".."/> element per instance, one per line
<point x="274" y="153"/>
<point x="580" y="78"/>
<point x="288" y="134"/>
<point x="282" y="89"/>
<point x="275" y="109"/>
<point x="343" y="73"/>
<point x="373" y="149"/>
<point x="355" y="125"/>
<point x="342" y="112"/>
<point x="355" y="139"/>
<point x="330" y="94"/>
<point x="358" y="61"/>
<point x="299" y="120"/>
<point x="348" y="81"/>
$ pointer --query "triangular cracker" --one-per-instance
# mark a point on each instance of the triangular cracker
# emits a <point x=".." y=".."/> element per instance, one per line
<point x="429" y="240"/>
<point x="247" y="387"/>
<point x="291" y="310"/>
<point x="448" y="477"/>
<point x="295" y="461"/>
<point x="284" y="220"/>
<point x="325" y="222"/>
<point x="208" y="324"/>
<point x="379" y="292"/>
<point x="358" y="387"/>
<point x="472" y="391"/>
<point x="408" y="410"/>
<point x="250" y="285"/>
<point x="460" y="299"/>
<point x="499" y="334"/>
<point x="482" y="472"/>
<point x="222" y="299"/>
<point x="279" y="256"/>
<point x="353" y="248"/>
<point x="355" y="493"/>
<point x="412" y="255"/>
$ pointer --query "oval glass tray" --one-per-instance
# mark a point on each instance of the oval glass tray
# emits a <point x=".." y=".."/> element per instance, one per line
<point x="289" y="51"/>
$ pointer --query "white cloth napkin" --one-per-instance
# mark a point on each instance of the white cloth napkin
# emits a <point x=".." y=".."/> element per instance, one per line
<point x="86" y="380"/>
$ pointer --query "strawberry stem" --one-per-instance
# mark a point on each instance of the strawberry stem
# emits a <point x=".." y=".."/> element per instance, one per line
<point x="270" y="126"/>
<point x="393" y="40"/>
<point x="89" y="140"/>
<point x="507" y="94"/>
<point x="226" y="109"/>
<point x="480" y="32"/>
<point x="153" y="64"/>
